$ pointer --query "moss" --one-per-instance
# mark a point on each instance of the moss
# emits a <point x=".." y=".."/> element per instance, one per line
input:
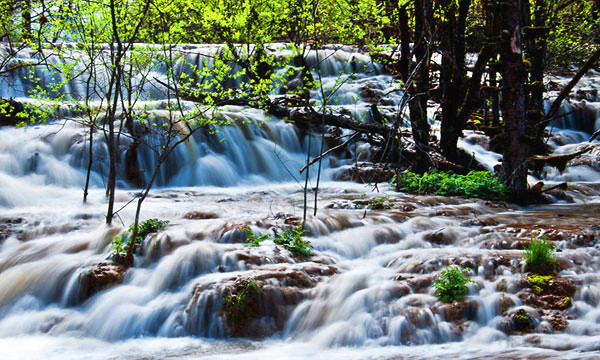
<point x="539" y="283"/>
<point x="522" y="321"/>
<point x="567" y="303"/>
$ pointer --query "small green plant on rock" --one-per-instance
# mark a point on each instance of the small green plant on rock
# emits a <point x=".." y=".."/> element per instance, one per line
<point x="236" y="303"/>
<point x="540" y="258"/>
<point x="451" y="285"/>
<point x="380" y="203"/>
<point x="146" y="227"/>
<point x="252" y="240"/>
<point x="292" y="240"/>
<point x="119" y="243"/>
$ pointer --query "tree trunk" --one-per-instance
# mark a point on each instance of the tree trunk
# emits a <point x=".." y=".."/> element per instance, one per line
<point x="404" y="62"/>
<point x="420" y="87"/>
<point x="90" y="162"/>
<point x="26" y="14"/>
<point x="536" y="43"/>
<point x="513" y="104"/>
<point x="452" y="77"/>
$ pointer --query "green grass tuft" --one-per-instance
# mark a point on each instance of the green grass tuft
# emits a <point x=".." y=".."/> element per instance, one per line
<point x="540" y="257"/>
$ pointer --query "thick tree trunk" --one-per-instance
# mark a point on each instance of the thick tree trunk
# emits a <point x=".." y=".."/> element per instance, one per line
<point x="513" y="104"/>
<point x="452" y="77"/>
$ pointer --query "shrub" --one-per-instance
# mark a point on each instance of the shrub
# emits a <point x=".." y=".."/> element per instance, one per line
<point x="252" y="239"/>
<point x="119" y="243"/>
<point x="292" y="240"/>
<point x="476" y="184"/>
<point x="451" y="285"/>
<point x="540" y="258"/>
<point x="146" y="227"/>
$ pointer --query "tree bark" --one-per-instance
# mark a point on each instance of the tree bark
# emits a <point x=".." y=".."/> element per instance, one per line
<point x="453" y="74"/>
<point x="420" y="86"/>
<point x="513" y="104"/>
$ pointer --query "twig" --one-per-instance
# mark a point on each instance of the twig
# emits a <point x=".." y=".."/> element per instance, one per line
<point x="329" y="152"/>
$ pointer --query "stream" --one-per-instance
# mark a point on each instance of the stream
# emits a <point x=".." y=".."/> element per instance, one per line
<point x="366" y="293"/>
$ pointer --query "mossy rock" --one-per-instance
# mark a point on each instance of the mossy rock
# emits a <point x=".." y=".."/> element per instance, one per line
<point x="522" y="321"/>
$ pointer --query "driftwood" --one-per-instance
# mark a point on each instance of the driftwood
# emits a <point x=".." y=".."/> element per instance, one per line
<point x="302" y="116"/>
<point x="557" y="161"/>
<point x="567" y="90"/>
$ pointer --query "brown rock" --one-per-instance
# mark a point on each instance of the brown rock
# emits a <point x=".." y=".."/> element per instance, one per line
<point x="461" y="310"/>
<point x="100" y="277"/>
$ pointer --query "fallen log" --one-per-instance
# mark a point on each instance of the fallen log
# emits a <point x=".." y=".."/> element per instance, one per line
<point x="558" y="161"/>
<point x="303" y="116"/>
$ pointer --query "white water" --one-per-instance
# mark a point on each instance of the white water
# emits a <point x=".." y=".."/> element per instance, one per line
<point x="368" y="292"/>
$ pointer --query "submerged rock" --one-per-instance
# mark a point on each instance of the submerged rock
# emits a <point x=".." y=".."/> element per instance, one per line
<point x="100" y="277"/>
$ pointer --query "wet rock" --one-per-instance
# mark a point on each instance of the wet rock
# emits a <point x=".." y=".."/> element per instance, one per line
<point x="522" y="322"/>
<point x="556" y="319"/>
<point x="200" y="215"/>
<point x="548" y="293"/>
<point x="439" y="237"/>
<point x="11" y="227"/>
<point x="255" y="305"/>
<point x="234" y="235"/>
<point x="461" y="310"/>
<point x="100" y="277"/>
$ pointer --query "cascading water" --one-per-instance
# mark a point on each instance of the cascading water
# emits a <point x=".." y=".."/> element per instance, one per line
<point x="366" y="291"/>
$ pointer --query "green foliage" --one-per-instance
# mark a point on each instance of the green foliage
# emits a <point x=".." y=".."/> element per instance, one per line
<point x="236" y="303"/>
<point x="119" y="244"/>
<point x="147" y="227"/>
<point x="540" y="258"/>
<point x="380" y="203"/>
<point x="476" y="184"/>
<point x="252" y="240"/>
<point x="451" y="284"/>
<point x="292" y="240"/>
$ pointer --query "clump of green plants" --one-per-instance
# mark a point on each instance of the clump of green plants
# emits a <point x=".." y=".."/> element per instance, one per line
<point x="146" y="227"/>
<point x="236" y="303"/>
<point x="292" y="240"/>
<point x="539" y="282"/>
<point x="119" y="244"/>
<point x="476" y="184"/>
<point x="380" y="203"/>
<point x="253" y="240"/>
<point x="451" y="285"/>
<point x="540" y="257"/>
